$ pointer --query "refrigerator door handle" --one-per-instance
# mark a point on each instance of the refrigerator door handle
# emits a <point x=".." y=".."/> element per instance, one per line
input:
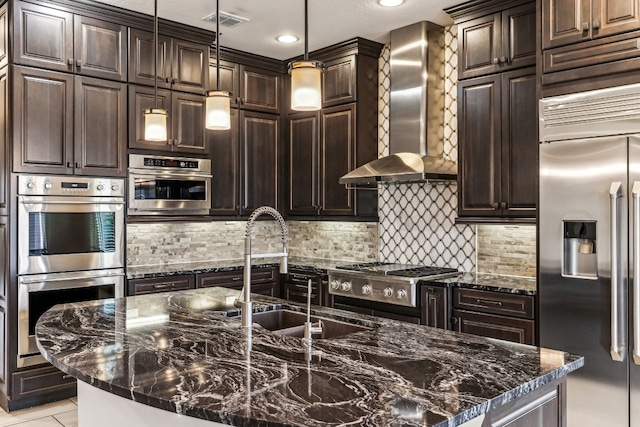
<point x="635" y="191"/>
<point x="617" y="327"/>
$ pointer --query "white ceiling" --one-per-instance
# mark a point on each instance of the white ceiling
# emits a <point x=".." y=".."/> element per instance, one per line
<point x="330" y="21"/>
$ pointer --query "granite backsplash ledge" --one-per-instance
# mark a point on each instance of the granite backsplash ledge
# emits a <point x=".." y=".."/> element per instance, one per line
<point x="183" y="242"/>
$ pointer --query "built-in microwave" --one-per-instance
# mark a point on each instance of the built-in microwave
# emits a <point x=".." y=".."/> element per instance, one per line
<point x="162" y="185"/>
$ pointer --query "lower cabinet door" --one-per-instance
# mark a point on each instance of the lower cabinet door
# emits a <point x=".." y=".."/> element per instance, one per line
<point x="492" y="326"/>
<point x="152" y="285"/>
<point x="38" y="381"/>
<point x="299" y="294"/>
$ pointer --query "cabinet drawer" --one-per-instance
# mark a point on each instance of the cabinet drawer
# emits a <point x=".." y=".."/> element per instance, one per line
<point x="298" y="293"/>
<point x="235" y="277"/>
<point x="494" y="302"/>
<point x="160" y="284"/>
<point x="39" y="381"/>
<point x="493" y="326"/>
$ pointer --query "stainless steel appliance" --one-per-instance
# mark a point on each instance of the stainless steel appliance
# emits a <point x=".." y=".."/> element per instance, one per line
<point x="69" y="223"/>
<point x="390" y="289"/>
<point x="161" y="185"/>
<point x="589" y="248"/>
<point x="39" y="292"/>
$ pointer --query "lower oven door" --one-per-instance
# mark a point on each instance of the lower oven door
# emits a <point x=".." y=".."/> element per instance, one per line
<point x="169" y="194"/>
<point x="38" y="293"/>
<point x="69" y="233"/>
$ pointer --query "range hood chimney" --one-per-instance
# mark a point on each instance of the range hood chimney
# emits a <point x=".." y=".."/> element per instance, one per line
<point x="416" y="121"/>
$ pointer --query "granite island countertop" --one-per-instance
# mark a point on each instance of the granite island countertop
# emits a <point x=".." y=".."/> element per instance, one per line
<point x="182" y="352"/>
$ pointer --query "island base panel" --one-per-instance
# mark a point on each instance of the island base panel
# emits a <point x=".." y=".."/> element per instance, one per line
<point x="99" y="408"/>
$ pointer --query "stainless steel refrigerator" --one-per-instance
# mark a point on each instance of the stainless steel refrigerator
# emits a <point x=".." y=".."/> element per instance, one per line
<point x="589" y="249"/>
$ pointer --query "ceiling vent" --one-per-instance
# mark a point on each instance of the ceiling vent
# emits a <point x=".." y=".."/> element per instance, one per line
<point x="226" y="19"/>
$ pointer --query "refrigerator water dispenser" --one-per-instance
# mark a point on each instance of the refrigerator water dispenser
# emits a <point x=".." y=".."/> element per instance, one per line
<point x="579" y="251"/>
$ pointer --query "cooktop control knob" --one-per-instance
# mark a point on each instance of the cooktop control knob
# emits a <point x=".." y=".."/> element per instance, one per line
<point x="100" y="187"/>
<point x="346" y="286"/>
<point x="401" y="294"/>
<point x="48" y="185"/>
<point x="335" y="284"/>
<point x="366" y="289"/>
<point x="388" y="292"/>
<point x="115" y="187"/>
<point x="31" y="185"/>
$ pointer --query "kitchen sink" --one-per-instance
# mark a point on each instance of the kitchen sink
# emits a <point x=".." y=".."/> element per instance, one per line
<point x="291" y="323"/>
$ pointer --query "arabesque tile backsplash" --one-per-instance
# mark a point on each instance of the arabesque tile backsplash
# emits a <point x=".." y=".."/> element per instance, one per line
<point x="416" y="220"/>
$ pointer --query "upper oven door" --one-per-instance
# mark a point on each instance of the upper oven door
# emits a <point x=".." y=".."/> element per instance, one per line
<point x="69" y="233"/>
<point x="168" y="193"/>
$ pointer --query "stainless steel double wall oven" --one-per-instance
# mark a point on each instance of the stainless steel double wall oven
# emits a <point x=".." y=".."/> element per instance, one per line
<point x="70" y="247"/>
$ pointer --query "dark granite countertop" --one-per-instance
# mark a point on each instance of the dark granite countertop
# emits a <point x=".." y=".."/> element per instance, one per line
<point x="180" y="352"/>
<point x="491" y="282"/>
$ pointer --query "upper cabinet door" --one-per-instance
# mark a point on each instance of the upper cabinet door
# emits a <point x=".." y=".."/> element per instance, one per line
<point x="339" y="81"/>
<point x="100" y="127"/>
<point x="4" y="35"/>
<point x="225" y="185"/>
<point x="260" y="90"/>
<point x="190" y="71"/>
<point x="303" y="150"/>
<point x="187" y="117"/>
<point x="141" y="69"/>
<point x="43" y="37"/>
<point x="100" y="49"/>
<point x="141" y="97"/>
<point x="229" y="79"/>
<point x="614" y="17"/>
<point x="519" y="36"/>
<point x="42" y="121"/>
<point x="479" y="43"/>
<point x="565" y="22"/>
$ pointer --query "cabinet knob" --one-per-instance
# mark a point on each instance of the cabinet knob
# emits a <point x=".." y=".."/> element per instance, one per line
<point x="504" y="60"/>
<point x="70" y="61"/>
<point x="503" y="205"/>
<point x="496" y="60"/>
<point x="78" y="165"/>
<point x="78" y="63"/>
<point x="585" y="26"/>
<point x="69" y="164"/>
<point x="174" y="81"/>
<point x="494" y="205"/>
<point x="596" y="24"/>
<point x="167" y="80"/>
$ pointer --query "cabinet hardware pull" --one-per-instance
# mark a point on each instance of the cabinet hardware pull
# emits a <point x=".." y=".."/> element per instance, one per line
<point x="69" y="164"/>
<point x="78" y="63"/>
<point x="235" y="279"/>
<point x="596" y="24"/>
<point x="503" y="205"/>
<point x="167" y="80"/>
<point x="67" y="377"/>
<point x="488" y="302"/>
<point x="70" y="61"/>
<point x="585" y="26"/>
<point x="174" y="81"/>
<point x="78" y="165"/>
<point x="432" y="313"/>
<point x="503" y="60"/>
<point x="163" y="286"/>
<point x="496" y="60"/>
<point x="494" y="205"/>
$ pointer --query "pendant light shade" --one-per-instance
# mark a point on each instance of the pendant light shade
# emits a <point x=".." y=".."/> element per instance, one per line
<point x="218" y="108"/>
<point x="306" y="85"/>
<point x="218" y="102"/>
<point x="155" y="124"/>
<point x="155" y="119"/>
<point x="306" y="77"/>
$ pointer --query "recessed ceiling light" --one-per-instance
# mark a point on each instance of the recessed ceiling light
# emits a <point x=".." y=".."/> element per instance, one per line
<point x="390" y="3"/>
<point x="287" y="38"/>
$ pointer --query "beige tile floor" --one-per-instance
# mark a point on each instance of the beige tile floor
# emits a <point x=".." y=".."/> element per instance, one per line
<point x="58" y="414"/>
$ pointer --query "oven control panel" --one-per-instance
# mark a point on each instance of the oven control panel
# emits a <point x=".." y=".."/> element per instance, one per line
<point x="373" y="288"/>
<point x="50" y="185"/>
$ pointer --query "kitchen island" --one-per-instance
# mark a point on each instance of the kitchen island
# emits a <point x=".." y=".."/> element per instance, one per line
<point x="186" y="354"/>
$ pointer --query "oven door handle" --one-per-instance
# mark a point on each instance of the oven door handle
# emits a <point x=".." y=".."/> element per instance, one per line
<point x="63" y="277"/>
<point x="167" y="175"/>
<point x="27" y="201"/>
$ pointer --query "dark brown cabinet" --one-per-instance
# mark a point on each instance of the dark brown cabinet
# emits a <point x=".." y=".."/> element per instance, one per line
<point x="151" y="285"/>
<point x="42" y="381"/>
<point x="339" y="81"/>
<point x="244" y="163"/>
<point x="498" y="149"/>
<point x="494" y="314"/>
<point x="497" y="42"/>
<point x="182" y="65"/>
<point x="186" y="132"/>
<point x="58" y="40"/>
<point x="252" y="88"/>
<point x="264" y="281"/>
<point x="68" y="124"/>
<point x="296" y="285"/>
<point x="435" y="302"/>
<point x="573" y="21"/>
<point x="322" y="148"/>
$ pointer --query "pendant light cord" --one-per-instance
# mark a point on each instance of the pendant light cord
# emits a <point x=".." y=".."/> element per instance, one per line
<point x="155" y="51"/>
<point x="217" y="44"/>
<point x="306" y="31"/>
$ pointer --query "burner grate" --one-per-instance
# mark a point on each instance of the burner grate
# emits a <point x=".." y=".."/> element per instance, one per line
<point x="422" y="271"/>
<point x="362" y="266"/>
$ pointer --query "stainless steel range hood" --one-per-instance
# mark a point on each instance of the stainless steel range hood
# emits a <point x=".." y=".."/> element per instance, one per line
<point x="416" y="120"/>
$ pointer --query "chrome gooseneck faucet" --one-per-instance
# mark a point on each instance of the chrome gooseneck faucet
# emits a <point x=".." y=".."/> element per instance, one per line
<point x="245" y="296"/>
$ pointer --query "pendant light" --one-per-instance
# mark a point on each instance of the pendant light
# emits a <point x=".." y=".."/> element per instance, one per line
<point x="218" y="102"/>
<point x="306" y="77"/>
<point x="155" y="119"/>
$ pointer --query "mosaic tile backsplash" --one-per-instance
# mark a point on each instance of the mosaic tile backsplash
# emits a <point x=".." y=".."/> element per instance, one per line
<point x="161" y="243"/>
<point x="507" y="249"/>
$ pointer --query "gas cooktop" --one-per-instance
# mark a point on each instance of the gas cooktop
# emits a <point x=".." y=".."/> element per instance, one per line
<point x="400" y="270"/>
